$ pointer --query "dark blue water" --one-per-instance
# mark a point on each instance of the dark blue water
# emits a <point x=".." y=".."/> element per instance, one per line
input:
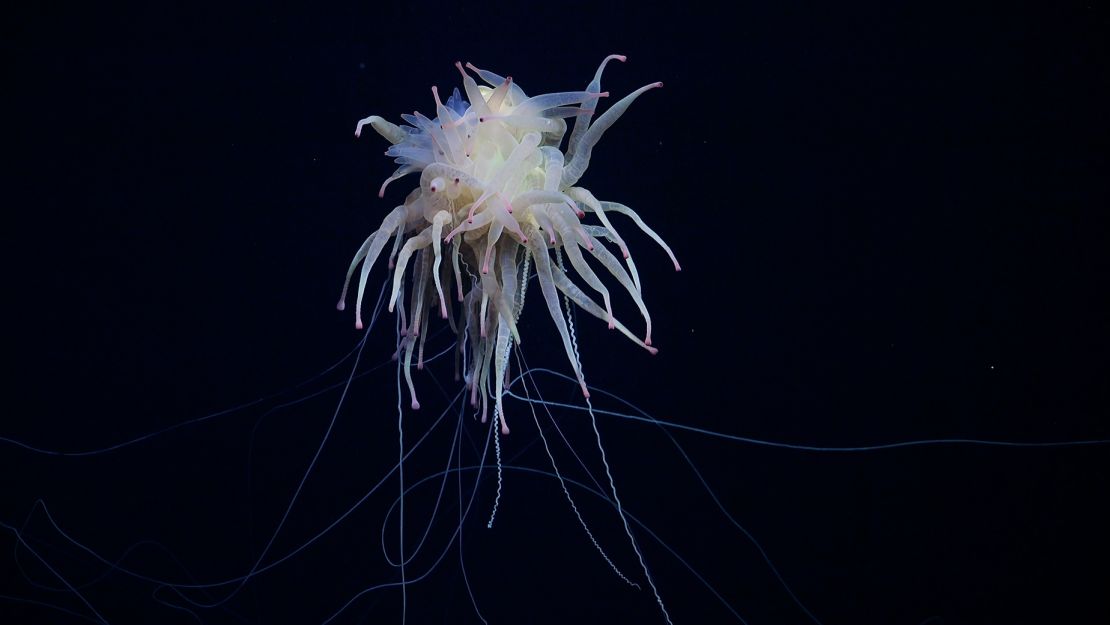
<point x="892" y="228"/>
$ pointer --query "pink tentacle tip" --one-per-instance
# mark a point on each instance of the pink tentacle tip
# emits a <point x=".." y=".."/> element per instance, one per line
<point x="652" y="350"/>
<point x="647" y="340"/>
<point x="415" y="404"/>
<point x="504" y="429"/>
<point x="657" y="85"/>
<point x="435" y="94"/>
<point x="341" y="306"/>
<point x="358" y="324"/>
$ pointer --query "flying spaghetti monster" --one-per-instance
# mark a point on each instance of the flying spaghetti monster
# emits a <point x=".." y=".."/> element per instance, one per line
<point x="497" y="194"/>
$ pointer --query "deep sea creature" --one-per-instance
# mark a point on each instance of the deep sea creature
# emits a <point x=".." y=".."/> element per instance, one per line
<point x="498" y="194"/>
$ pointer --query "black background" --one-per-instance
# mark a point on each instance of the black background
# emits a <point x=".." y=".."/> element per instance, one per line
<point x="892" y="227"/>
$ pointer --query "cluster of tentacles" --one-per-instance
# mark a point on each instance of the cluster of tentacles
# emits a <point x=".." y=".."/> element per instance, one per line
<point x="497" y="196"/>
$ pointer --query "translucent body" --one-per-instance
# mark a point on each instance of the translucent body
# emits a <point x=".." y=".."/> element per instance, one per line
<point x="497" y="194"/>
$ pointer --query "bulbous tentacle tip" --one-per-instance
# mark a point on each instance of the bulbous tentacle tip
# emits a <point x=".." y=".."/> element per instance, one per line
<point x="415" y="405"/>
<point x="341" y="306"/>
<point x="358" y="324"/>
<point x="647" y="340"/>
<point x="657" y="85"/>
<point x="504" y="429"/>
